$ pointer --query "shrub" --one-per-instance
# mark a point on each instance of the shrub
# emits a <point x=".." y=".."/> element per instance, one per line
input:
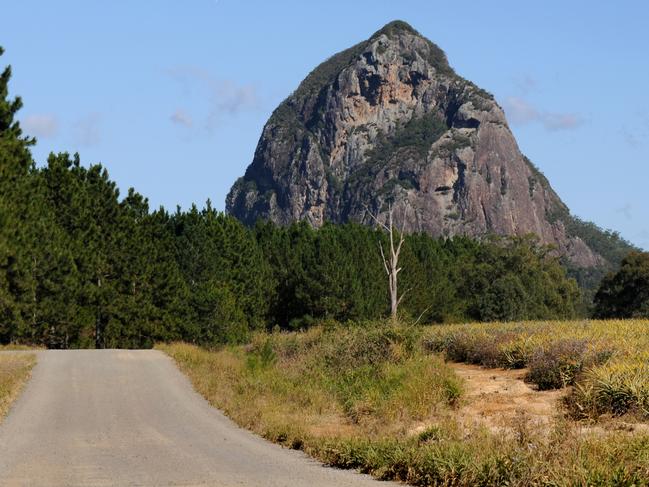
<point x="495" y="348"/>
<point x="430" y="435"/>
<point x="560" y="363"/>
<point x="617" y="388"/>
<point x="346" y="348"/>
<point x="556" y="365"/>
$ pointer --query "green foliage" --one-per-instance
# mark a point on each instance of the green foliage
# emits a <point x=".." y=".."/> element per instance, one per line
<point x="225" y="273"/>
<point x="625" y="293"/>
<point x="262" y="358"/>
<point x="417" y="134"/>
<point x="326" y="273"/>
<point x="606" y="243"/>
<point x="82" y="266"/>
<point x="515" y="279"/>
<point x="431" y="52"/>
<point x="336" y="273"/>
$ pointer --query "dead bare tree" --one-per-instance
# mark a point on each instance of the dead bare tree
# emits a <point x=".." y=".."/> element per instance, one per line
<point x="391" y="262"/>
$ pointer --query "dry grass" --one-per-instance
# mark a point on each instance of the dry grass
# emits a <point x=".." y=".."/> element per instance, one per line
<point x="14" y="372"/>
<point x="15" y="347"/>
<point x="382" y="400"/>
<point x="323" y="383"/>
<point x="607" y="362"/>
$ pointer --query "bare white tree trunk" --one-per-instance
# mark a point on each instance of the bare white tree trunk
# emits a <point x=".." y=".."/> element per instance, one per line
<point x="391" y="261"/>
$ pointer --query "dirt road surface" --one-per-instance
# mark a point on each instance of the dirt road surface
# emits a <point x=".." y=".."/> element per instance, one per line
<point x="130" y="418"/>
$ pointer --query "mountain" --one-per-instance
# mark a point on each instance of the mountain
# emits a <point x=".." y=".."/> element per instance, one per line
<point x="389" y="122"/>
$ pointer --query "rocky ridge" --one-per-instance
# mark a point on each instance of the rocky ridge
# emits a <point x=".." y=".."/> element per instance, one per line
<point x="389" y="122"/>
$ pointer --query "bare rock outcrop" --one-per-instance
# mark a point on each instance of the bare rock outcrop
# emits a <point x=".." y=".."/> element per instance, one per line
<point x="388" y="121"/>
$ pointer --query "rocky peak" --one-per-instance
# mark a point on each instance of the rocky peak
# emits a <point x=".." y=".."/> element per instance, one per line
<point x="389" y="122"/>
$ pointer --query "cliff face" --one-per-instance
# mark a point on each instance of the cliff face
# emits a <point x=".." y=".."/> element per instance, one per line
<point x="389" y="122"/>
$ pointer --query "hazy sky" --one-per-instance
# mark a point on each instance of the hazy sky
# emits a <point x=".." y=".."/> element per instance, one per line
<point x="171" y="96"/>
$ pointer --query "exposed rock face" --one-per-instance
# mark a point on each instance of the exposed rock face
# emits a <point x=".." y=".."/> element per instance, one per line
<point x="389" y="122"/>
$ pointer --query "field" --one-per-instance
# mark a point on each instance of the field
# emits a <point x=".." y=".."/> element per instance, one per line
<point x="393" y="402"/>
<point x="605" y="362"/>
<point x="14" y="372"/>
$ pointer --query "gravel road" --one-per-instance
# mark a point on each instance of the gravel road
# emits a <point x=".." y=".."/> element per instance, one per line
<point x="122" y="418"/>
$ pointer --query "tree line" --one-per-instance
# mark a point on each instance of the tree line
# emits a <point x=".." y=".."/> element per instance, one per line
<point x="82" y="266"/>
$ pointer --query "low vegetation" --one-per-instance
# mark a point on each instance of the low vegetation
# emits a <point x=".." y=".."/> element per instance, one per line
<point x="14" y="372"/>
<point x="382" y="399"/>
<point x="289" y="387"/>
<point x="607" y="362"/>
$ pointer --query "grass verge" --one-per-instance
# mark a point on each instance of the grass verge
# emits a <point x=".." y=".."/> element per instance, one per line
<point x="14" y="372"/>
<point x="375" y="398"/>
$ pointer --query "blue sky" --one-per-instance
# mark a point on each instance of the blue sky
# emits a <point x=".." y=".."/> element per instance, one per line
<point x="172" y="96"/>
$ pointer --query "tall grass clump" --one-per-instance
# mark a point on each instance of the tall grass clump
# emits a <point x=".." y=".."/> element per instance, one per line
<point x="618" y="388"/>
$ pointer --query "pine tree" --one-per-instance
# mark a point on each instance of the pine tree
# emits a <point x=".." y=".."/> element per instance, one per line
<point x="15" y="162"/>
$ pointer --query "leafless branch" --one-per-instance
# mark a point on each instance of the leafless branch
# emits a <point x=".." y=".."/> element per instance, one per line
<point x="378" y="222"/>
<point x="385" y="262"/>
<point x="402" y="296"/>
<point x="422" y="314"/>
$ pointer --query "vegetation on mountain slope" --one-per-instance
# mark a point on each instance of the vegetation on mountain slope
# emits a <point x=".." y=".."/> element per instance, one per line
<point x="606" y="243"/>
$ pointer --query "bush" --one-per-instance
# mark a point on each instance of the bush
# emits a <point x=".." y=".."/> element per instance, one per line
<point x="615" y="388"/>
<point x="357" y="346"/>
<point x="505" y="349"/>
<point x="557" y="365"/>
<point x="560" y="363"/>
<point x="262" y="358"/>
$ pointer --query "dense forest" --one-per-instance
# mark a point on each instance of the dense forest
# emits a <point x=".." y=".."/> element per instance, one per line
<point x="81" y="266"/>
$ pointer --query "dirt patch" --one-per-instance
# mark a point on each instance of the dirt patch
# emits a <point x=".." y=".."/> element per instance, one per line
<point x="500" y="399"/>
